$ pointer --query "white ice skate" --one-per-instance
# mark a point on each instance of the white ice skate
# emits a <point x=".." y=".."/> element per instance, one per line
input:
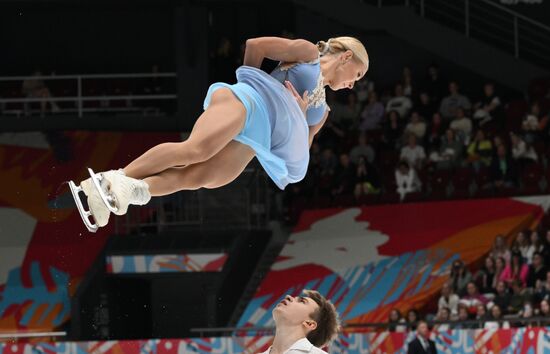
<point x="118" y="191"/>
<point x="97" y="209"/>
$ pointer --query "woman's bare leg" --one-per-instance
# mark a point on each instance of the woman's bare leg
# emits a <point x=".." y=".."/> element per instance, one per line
<point x="215" y="128"/>
<point x="215" y="172"/>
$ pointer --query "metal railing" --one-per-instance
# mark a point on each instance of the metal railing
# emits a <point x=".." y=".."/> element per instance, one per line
<point x="486" y="21"/>
<point x="19" y="335"/>
<point x="80" y="98"/>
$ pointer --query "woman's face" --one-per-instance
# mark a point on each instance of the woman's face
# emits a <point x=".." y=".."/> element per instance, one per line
<point x="499" y="263"/>
<point x="534" y="237"/>
<point x="489" y="263"/>
<point x="544" y="307"/>
<point x="347" y="71"/>
<point x="520" y="238"/>
<point x="394" y="316"/>
<point x="495" y="311"/>
<point x="411" y="316"/>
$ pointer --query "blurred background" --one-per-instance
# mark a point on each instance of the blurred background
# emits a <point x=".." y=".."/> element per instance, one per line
<point x="426" y="195"/>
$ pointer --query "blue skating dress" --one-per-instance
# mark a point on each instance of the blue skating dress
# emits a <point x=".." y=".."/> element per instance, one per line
<point x="275" y="126"/>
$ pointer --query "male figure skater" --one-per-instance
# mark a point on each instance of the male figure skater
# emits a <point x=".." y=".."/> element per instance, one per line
<point x="304" y="324"/>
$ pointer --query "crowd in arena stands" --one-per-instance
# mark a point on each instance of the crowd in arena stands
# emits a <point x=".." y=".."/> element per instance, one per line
<point x="425" y="140"/>
<point x="511" y="287"/>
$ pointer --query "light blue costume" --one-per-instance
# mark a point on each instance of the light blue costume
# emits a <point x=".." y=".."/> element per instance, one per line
<point x="275" y="126"/>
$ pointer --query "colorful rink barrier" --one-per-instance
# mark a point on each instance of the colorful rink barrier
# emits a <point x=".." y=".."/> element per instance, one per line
<point x="517" y="341"/>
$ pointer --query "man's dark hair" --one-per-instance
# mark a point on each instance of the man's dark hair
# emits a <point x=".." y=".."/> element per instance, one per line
<point x="328" y="322"/>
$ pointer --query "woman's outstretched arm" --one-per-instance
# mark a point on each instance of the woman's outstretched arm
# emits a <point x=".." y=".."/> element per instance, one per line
<point x="279" y="49"/>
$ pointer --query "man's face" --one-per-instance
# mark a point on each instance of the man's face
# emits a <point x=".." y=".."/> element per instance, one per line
<point x="423" y="330"/>
<point x="294" y="311"/>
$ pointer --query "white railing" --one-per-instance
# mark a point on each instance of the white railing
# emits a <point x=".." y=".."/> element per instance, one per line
<point x="487" y="21"/>
<point x="17" y="335"/>
<point x="80" y="98"/>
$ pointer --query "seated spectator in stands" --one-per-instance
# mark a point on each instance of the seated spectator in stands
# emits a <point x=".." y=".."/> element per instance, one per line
<point x="344" y="178"/>
<point x="412" y="319"/>
<point x="443" y="315"/>
<point x="425" y="106"/>
<point x="450" y="152"/>
<point x="515" y="270"/>
<point x="537" y="271"/>
<point x="527" y="312"/>
<point x="363" y="148"/>
<point x="416" y="126"/>
<point x="523" y="153"/>
<point x="399" y="102"/>
<point x="367" y="180"/>
<point x="460" y="277"/>
<point x="408" y="89"/>
<point x="480" y="151"/>
<point x="486" y="275"/>
<point x="448" y="299"/>
<point x="406" y="179"/>
<point x="473" y="298"/>
<point x="518" y="298"/>
<point x="413" y="153"/>
<point x="481" y="312"/>
<point x="436" y="129"/>
<point x="542" y="289"/>
<point x="522" y="244"/>
<point x="422" y="344"/>
<point x="435" y="85"/>
<point x="363" y="89"/>
<point x="489" y="107"/>
<point x="531" y="123"/>
<point x="462" y="125"/>
<point x="396" y="321"/>
<point x="36" y="88"/>
<point x="502" y="297"/>
<point x="450" y="104"/>
<point x="500" y="264"/>
<point x="372" y="115"/>
<point x="392" y="130"/>
<point x="544" y="313"/>
<point x="500" y="249"/>
<point x="545" y="248"/>
<point x="503" y="170"/>
<point x="536" y="243"/>
<point x="463" y="315"/>
<point x="496" y="315"/>
<point x="349" y="114"/>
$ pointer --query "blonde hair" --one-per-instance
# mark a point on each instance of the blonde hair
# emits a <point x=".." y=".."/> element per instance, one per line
<point x="341" y="44"/>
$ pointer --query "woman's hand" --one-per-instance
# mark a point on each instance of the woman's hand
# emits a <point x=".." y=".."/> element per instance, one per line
<point x="302" y="100"/>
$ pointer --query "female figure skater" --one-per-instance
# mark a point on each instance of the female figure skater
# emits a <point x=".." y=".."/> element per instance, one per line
<point x="271" y="116"/>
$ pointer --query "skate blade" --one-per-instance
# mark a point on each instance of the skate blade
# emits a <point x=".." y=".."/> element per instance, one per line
<point x="107" y="199"/>
<point x="84" y="214"/>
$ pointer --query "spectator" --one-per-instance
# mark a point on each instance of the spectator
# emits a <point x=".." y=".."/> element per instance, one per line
<point x="443" y="315"/>
<point x="473" y="298"/>
<point x="460" y="277"/>
<point x="412" y="319"/>
<point x="406" y="179"/>
<point x="518" y="298"/>
<point x="542" y="288"/>
<point x="530" y="125"/>
<point x="503" y="170"/>
<point x="537" y="271"/>
<point x="399" y="103"/>
<point x="544" y="313"/>
<point x="481" y="312"/>
<point x="496" y="315"/>
<point x="515" y="270"/>
<point x="363" y="88"/>
<point x="416" y="126"/>
<point x="392" y="130"/>
<point x="451" y="103"/>
<point x="462" y="125"/>
<point x="344" y="179"/>
<point x="372" y="114"/>
<point x="489" y="107"/>
<point x="366" y="178"/>
<point x="363" y="148"/>
<point x="523" y="245"/>
<point x="527" y="312"/>
<point x="480" y="151"/>
<point x="500" y="264"/>
<point x="448" y="299"/>
<point x="408" y="89"/>
<point x="425" y="106"/>
<point x="349" y="114"/>
<point x="521" y="152"/>
<point x="435" y="130"/>
<point x="500" y="249"/>
<point x="545" y="248"/>
<point x="414" y="154"/>
<point x="396" y="321"/>
<point x="435" y="86"/>
<point x="463" y="315"/>
<point x="536" y="243"/>
<point x="450" y="151"/>
<point x="502" y="297"/>
<point x="422" y="344"/>
<point x="485" y="276"/>
<point x="36" y="88"/>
